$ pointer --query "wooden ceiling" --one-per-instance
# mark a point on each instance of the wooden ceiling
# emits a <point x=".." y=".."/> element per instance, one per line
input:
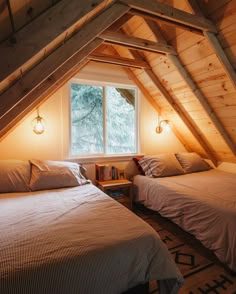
<point x="180" y="53"/>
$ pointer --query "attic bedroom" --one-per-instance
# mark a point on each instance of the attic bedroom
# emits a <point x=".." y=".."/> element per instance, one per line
<point x="117" y="146"/>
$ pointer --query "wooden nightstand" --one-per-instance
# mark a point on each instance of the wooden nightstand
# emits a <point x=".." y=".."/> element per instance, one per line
<point x="107" y="186"/>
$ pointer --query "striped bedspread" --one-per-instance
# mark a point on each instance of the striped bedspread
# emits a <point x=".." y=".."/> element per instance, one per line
<point x="78" y="240"/>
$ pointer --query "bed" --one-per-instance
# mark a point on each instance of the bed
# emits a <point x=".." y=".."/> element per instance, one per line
<point x="74" y="239"/>
<point x="202" y="203"/>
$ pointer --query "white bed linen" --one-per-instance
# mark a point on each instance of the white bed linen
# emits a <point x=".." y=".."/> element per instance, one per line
<point x="78" y="240"/>
<point x="202" y="203"/>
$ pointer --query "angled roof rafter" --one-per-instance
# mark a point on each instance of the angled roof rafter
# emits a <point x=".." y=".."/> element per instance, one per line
<point x="25" y="43"/>
<point x="171" y="13"/>
<point x="184" y="116"/>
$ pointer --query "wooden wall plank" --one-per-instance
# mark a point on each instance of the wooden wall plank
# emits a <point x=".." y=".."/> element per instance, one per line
<point x="26" y="43"/>
<point x="221" y="56"/>
<point x="24" y="11"/>
<point x="184" y="116"/>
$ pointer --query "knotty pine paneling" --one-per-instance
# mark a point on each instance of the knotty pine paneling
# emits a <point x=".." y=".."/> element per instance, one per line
<point x="24" y="11"/>
<point x="197" y="52"/>
<point x="204" y="65"/>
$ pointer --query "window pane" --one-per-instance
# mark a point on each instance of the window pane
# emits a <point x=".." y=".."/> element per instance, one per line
<point x="86" y="119"/>
<point x="120" y="120"/>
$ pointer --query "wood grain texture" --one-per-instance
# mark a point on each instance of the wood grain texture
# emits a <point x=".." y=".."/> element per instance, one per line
<point x="51" y="24"/>
<point x="137" y="43"/>
<point x="171" y="13"/>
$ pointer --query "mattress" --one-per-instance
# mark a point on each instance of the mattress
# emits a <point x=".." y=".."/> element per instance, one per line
<point x="78" y="240"/>
<point x="203" y="204"/>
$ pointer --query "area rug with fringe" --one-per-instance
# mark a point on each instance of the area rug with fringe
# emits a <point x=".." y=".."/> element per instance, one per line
<point x="202" y="272"/>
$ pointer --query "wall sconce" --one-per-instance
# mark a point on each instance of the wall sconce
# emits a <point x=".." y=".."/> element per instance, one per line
<point x="38" y="124"/>
<point x="163" y="125"/>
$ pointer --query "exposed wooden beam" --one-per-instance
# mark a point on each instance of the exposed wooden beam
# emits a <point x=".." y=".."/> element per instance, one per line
<point x="212" y="39"/>
<point x="136" y="43"/>
<point x="117" y="60"/>
<point x="158" y="19"/>
<point x="35" y="36"/>
<point x="41" y="77"/>
<point x="171" y="13"/>
<point x="210" y="112"/>
<point x="192" y="4"/>
<point x="184" y="116"/>
<point x="120" y="22"/>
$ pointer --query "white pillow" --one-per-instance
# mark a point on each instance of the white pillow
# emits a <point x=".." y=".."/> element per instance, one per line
<point x="163" y="165"/>
<point x="192" y="162"/>
<point x="48" y="174"/>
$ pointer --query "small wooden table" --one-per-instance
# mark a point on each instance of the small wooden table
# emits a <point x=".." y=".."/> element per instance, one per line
<point x="116" y="184"/>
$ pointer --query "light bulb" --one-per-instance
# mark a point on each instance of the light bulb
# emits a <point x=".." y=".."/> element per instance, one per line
<point x="38" y="125"/>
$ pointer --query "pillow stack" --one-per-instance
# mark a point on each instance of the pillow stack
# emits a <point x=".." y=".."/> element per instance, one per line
<point x="166" y="165"/>
<point x="33" y="175"/>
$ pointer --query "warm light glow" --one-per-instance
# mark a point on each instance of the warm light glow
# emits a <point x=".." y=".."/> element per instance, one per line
<point x="38" y="124"/>
<point x="38" y="127"/>
<point x="163" y="126"/>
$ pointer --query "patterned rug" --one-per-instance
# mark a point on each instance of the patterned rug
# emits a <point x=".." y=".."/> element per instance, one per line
<point x="202" y="272"/>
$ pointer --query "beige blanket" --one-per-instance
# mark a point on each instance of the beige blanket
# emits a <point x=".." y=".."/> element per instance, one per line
<point x="78" y="240"/>
<point x="202" y="203"/>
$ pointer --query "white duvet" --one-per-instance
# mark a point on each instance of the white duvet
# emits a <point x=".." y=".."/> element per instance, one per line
<point x="202" y="203"/>
<point x="78" y="240"/>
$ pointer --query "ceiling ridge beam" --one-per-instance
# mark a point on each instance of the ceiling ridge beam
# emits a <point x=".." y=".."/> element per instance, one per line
<point x="136" y="43"/>
<point x="26" y="43"/>
<point x="34" y="83"/>
<point x="170" y="13"/>
<point x="118" y="60"/>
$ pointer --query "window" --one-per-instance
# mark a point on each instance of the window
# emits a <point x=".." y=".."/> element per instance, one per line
<point x="103" y="120"/>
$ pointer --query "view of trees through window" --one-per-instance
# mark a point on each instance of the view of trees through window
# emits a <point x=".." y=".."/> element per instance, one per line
<point x="103" y="120"/>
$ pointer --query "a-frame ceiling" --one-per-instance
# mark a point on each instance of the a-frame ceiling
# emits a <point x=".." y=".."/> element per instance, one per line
<point x="180" y="53"/>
